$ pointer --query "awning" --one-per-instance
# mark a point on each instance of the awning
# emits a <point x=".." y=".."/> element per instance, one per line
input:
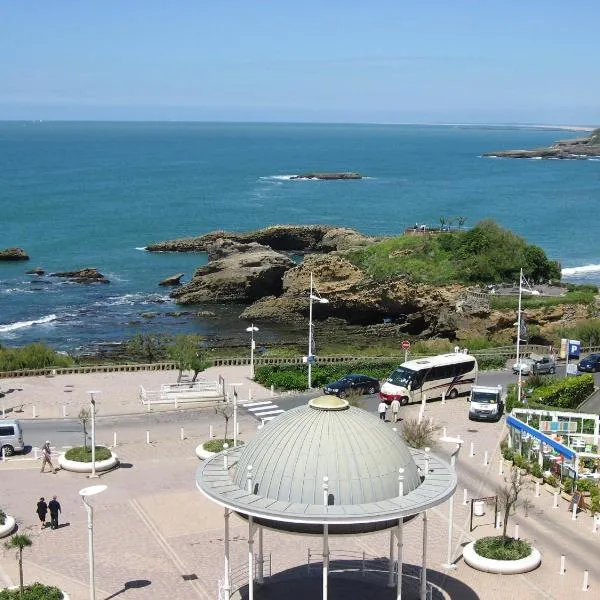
<point x="560" y="448"/>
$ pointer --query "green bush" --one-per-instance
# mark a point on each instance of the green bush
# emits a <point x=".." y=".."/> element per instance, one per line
<point x="217" y="445"/>
<point x="489" y="362"/>
<point x="536" y="470"/>
<point x="35" y="591"/>
<point x="81" y="454"/>
<point x="2" y="517"/>
<point x="32" y="356"/>
<point x="567" y="486"/>
<point x="551" y="480"/>
<point x="586" y="485"/>
<point x="501" y="548"/>
<point x="568" y="392"/>
<point x="508" y="454"/>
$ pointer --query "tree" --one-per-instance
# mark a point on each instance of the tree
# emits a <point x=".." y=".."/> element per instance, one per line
<point x="18" y="542"/>
<point x="451" y="222"/>
<point x="186" y="351"/>
<point x="442" y="223"/>
<point x="420" y="435"/>
<point x="508" y="497"/>
<point x="226" y="411"/>
<point x="461" y="221"/>
<point x="84" y="417"/>
<point x="147" y="347"/>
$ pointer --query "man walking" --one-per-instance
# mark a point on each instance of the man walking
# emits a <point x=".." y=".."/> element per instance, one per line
<point x="54" y="507"/>
<point x="47" y="458"/>
<point x="395" y="406"/>
<point x="382" y="409"/>
<point x="41" y="510"/>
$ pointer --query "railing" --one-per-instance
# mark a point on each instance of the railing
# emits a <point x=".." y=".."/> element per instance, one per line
<point x="176" y="393"/>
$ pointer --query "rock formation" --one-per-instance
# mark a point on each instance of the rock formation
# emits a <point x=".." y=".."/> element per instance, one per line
<point x="173" y="280"/>
<point x="580" y="148"/>
<point x="88" y="275"/>
<point x="13" y="254"/>
<point x="36" y="271"/>
<point x="327" y="176"/>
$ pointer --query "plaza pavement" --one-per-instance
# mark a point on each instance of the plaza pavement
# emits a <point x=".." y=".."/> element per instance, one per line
<point x="157" y="537"/>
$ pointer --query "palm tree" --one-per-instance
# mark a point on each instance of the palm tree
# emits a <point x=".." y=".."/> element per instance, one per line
<point x="451" y="222"/>
<point x="442" y="223"/>
<point x="19" y="541"/>
<point x="461" y="221"/>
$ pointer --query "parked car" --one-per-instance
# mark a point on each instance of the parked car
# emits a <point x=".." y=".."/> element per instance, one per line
<point x="590" y="364"/>
<point x="525" y="365"/>
<point x="363" y="384"/>
<point x="535" y="364"/>
<point x="11" y="437"/>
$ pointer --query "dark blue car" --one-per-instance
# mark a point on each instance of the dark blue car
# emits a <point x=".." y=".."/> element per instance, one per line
<point x="363" y="384"/>
<point x="590" y="364"/>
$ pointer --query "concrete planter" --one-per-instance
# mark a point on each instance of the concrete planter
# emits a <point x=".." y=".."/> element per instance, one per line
<point x="203" y="454"/>
<point x="8" y="527"/>
<point x="65" y="595"/>
<point x="85" y="467"/>
<point x="503" y="567"/>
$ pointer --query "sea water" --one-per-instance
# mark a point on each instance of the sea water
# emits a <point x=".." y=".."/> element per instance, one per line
<point x="76" y="195"/>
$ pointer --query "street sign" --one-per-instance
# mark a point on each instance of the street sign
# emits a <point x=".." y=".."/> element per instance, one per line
<point x="405" y="345"/>
<point x="574" y="349"/>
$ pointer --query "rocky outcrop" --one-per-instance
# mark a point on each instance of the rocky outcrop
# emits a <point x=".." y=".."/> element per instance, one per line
<point x="36" y="271"/>
<point x="88" y="275"/>
<point x="581" y="148"/>
<point x="283" y="238"/>
<point x="236" y="272"/>
<point x="327" y="176"/>
<point x="13" y="254"/>
<point x="173" y="280"/>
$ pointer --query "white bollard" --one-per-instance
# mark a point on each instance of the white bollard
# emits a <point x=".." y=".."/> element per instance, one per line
<point x="249" y="394"/>
<point x="444" y="433"/>
<point x="443" y="397"/>
<point x="574" y="514"/>
<point x="176" y="401"/>
<point x="33" y="411"/>
<point x="114" y="439"/>
<point x="35" y="453"/>
<point x="147" y="437"/>
<point x="584" y="587"/>
<point x="272" y="390"/>
<point x="3" y="454"/>
<point x="562" y="564"/>
<point x="472" y="452"/>
<point x="537" y="489"/>
<point x="465" y="499"/>
<point x="555" y="505"/>
<point x="485" y="458"/>
<point x="517" y="531"/>
<point x="148" y="406"/>
<point x="595" y="524"/>
<point x="238" y="429"/>
<point x="498" y="521"/>
<point x="210" y="432"/>
<point x="64" y="412"/>
<point x="501" y="466"/>
<point x="181" y="434"/>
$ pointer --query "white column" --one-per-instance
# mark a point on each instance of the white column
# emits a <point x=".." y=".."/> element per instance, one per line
<point x="250" y="558"/>
<point x="325" y="559"/>
<point x="449" y="564"/>
<point x="90" y="515"/>
<point x="391" y="561"/>
<point x="261" y="560"/>
<point x="400" y="541"/>
<point x="309" y="355"/>
<point x="423" y="593"/>
<point x="226" y="580"/>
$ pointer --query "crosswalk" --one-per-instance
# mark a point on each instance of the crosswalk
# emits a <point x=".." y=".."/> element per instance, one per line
<point x="263" y="411"/>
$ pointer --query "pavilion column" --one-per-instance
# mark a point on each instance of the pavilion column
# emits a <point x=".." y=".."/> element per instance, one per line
<point x="400" y="542"/>
<point x="325" y="559"/>
<point x="261" y="560"/>
<point x="250" y="558"/>
<point x="226" y="580"/>
<point x="423" y="594"/>
<point x="391" y="561"/>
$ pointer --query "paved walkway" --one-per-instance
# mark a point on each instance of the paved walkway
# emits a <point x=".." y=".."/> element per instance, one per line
<point x="156" y="536"/>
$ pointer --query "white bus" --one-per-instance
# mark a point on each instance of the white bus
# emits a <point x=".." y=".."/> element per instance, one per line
<point x="449" y="374"/>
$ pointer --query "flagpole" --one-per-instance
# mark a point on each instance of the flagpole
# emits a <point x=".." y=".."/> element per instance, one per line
<point x="519" y="376"/>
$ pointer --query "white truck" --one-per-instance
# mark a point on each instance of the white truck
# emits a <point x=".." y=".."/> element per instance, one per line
<point x="486" y="403"/>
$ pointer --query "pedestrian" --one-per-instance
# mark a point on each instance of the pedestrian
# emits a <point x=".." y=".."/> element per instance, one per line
<point x="54" y="507"/>
<point x="42" y="509"/>
<point x="395" y="406"/>
<point x="47" y="458"/>
<point x="382" y="409"/>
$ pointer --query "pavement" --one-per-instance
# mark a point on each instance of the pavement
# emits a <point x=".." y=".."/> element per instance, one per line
<point x="156" y="536"/>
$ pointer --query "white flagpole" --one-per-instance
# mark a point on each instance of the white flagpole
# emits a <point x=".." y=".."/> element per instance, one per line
<point x="519" y="376"/>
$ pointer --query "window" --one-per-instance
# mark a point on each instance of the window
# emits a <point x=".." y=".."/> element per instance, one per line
<point x="7" y="430"/>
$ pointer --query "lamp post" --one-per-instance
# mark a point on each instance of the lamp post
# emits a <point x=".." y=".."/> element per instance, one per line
<point x="313" y="296"/>
<point x="450" y="440"/>
<point x="252" y="329"/>
<point x="84" y="493"/>
<point x="93" y="416"/>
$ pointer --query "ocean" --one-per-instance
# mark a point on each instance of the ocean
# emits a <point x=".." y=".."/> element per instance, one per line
<point x="76" y="195"/>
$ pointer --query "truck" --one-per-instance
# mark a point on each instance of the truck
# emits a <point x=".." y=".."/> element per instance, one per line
<point x="486" y="403"/>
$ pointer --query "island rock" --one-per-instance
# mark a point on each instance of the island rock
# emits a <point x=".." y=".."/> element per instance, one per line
<point x="13" y="254"/>
<point x="36" y="271"/>
<point x="173" y="280"/>
<point x="327" y="176"/>
<point x="87" y="275"/>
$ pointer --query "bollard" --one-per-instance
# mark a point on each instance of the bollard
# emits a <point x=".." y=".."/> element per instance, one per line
<point x="225" y="456"/>
<point x="64" y="411"/>
<point x="114" y="439"/>
<point x="35" y="453"/>
<point x="249" y="394"/>
<point x="537" y="489"/>
<point x="237" y="429"/>
<point x="485" y="458"/>
<point x="516" y="531"/>
<point x="210" y="432"/>
<point x="584" y="587"/>
<point x="595" y="524"/>
<point x="181" y="434"/>
<point x="465" y="499"/>
<point x="33" y="411"/>
<point x="444" y="433"/>
<point x="501" y="466"/>
<point x="3" y="454"/>
<point x="555" y="505"/>
<point x="272" y="390"/>
<point x="148" y="406"/>
<point x="472" y="453"/>
<point x="574" y="514"/>
<point x="443" y="397"/>
<point x="147" y="437"/>
<point x="498" y="521"/>
<point x="562" y="564"/>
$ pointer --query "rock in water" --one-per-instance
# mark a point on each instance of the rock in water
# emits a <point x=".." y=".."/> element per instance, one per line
<point x="327" y="176"/>
<point x="13" y="254"/>
<point x="88" y="275"/>
<point x="173" y="280"/>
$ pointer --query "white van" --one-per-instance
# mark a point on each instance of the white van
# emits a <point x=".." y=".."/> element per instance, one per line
<point x="11" y="437"/>
<point x="486" y="403"/>
<point x="431" y="376"/>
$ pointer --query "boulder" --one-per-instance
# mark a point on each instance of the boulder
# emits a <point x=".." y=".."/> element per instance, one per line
<point x="87" y="275"/>
<point x="172" y="280"/>
<point x="236" y="272"/>
<point x="13" y="254"/>
<point x="327" y="176"/>
<point x="36" y="271"/>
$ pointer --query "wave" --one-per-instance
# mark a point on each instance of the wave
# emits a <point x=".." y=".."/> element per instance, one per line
<point x="277" y="177"/>
<point x="583" y="269"/>
<point x="25" y="324"/>
<point x="140" y="248"/>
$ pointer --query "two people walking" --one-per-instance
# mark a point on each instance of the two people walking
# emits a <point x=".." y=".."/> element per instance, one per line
<point x="42" y="510"/>
<point x="395" y="406"/>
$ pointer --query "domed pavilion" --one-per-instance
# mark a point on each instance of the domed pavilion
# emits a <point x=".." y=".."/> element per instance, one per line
<point x="326" y="469"/>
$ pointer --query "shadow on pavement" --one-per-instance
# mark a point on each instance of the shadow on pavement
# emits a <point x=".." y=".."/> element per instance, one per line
<point x="130" y="585"/>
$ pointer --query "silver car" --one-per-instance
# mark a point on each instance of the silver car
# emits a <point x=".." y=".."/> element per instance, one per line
<point x="535" y="364"/>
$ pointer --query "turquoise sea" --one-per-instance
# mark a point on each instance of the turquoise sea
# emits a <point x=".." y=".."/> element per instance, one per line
<point x="77" y="195"/>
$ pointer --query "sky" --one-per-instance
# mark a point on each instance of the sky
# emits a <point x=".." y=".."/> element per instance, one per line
<point x="403" y="61"/>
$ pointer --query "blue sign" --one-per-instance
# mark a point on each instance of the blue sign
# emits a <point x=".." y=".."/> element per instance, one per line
<point x="574" y="349"/>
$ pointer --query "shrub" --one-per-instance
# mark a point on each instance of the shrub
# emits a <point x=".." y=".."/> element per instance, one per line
<point x="586" y="485"/>
<point x="489" y="362"/>
<point x="595" y="504"/>
<point x="32" y="356"/>
<point x="217" y="445"/>
<point x="35" y="591"/>
<point x="81" y="454"/>
<point x="502" y="548"/>
<point x="551" y="480"/>
<point x="508" y="454"/>
<point x="2" y="517"/>
<point x="567" y="486"/>
<point x="419" y="435"/>
<point x="536" y="470"/>
<point x="567" y="392"/>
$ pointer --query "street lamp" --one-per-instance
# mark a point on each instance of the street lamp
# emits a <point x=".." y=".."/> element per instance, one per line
<point x="93" y="416"/>
<point x="84" y="493"/>
<point x="313" y="296"/>
<point x="252" y="329"/>
<point x="451" y="440"/>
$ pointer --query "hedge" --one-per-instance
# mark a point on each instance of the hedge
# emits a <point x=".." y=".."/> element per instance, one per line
<point x="35" y="591"/>
<point x="81" y="454"/>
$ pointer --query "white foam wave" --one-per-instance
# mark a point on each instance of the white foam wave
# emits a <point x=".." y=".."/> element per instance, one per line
<point x="278" y="177"/>
<point x="582" y="269"/>
<point x="24" y="324"/>
<point x="132" y="299"/>
<point x="140" y="248"/>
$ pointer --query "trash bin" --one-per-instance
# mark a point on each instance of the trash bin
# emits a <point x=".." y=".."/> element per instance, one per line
<point x="478" y="508"/>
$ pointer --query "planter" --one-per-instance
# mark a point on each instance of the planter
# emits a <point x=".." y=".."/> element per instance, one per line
<point x="504" y="567"/>
<point x="86" y="467"/>
<point x="203" y="454"/>
<point x="8" y="527"/>
<point x="16" y="587"/>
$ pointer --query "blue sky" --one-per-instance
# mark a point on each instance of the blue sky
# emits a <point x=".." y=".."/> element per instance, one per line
<point x="510" y="61"/>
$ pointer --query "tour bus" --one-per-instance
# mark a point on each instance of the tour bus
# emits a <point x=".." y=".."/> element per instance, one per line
<point x="432" y="376"/>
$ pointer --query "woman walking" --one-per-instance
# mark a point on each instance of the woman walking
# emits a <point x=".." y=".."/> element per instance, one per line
<point x="42" y="511"/>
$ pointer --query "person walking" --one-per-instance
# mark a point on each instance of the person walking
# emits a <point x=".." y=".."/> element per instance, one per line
<point x="54" y="507"/>
<point x="47" y="458"/>
<point x="395" y="406"/>
<point x="382" y="409"/>
<point x="42" y="510"/>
